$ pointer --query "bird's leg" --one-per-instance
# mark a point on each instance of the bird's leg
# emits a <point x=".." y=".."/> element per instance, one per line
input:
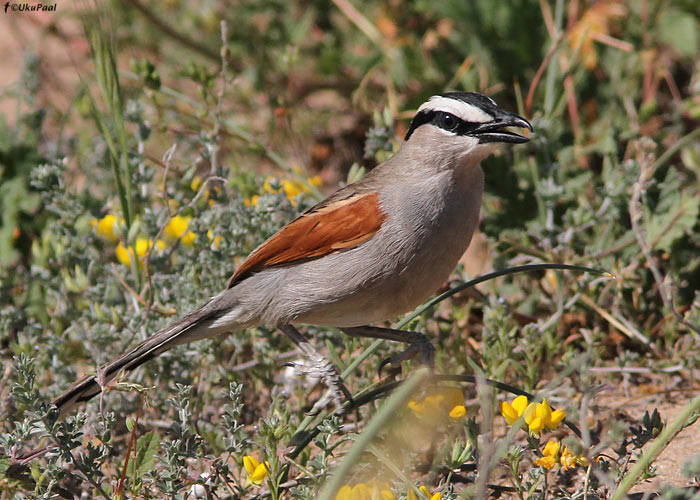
<point x="417" y="343"/>
<point x="319" y="367"/>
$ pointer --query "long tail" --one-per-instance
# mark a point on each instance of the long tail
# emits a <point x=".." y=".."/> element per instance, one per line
<point x="194" y="326"/>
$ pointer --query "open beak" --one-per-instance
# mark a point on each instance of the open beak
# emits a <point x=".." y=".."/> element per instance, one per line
<point x="494" y="131"/>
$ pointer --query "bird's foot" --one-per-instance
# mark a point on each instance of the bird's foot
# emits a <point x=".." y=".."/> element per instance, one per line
<point x="420" y="345"/>
<point x="318" y="367"/>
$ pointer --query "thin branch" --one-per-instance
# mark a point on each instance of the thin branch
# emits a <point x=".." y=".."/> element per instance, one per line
<point x="627" y="329"/>
<point x="214" y="147"/>
<point x="539" y="73"/>
<point x="170" y="32"/>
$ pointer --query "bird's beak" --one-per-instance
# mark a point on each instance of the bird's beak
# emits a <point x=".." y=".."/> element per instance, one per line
<point x="494" y="131"/>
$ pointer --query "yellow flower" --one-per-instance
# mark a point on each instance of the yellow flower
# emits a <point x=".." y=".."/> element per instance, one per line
<point x="537" y="416"/>
<point x="372" y="490"/>
<point x="188" y="238"/>
<point x="215" y="240"/>
<point x="513" y="411"/>
<point x="109" y="227"/>
<point x="252" y="201"/>
<point x="123" y="255"/>
<point x="142" y="245"/>
<point x="267" y="187"/>
<point x="425" y="491"/>
<point x="257" y="472"/>
<point x="553" y="418"/>
<point x="344" y="493"/>
<point x="386" y="495"/>
<point x="418" y="408"/>
<point x="177" y="228"/>
<point x="361" y="492"/>
<point x="458" y="412"/>
<point x="445" y="401"/>
<point x="380" y="490"/>
<point x="291" y="189"/>
<point x="568" y="460"/>
<point x="196" y="183"/>
<point x="550" y="454"/>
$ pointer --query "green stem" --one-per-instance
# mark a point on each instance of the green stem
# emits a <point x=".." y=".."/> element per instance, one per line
<point x="680" y="143"/>
<point x="553" y="67"/>
<point x="385" y="416"/>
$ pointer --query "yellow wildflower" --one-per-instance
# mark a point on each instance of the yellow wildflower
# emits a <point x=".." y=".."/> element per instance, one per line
<point x="386" y="495"/>
<point x="446" y="401"/>
<point x="142" y="245"/>
<point x="372" y="490"/>
<point x="257" y="472"/>
<point x="361" y="492"/>
<point x="537" y="416"/>
<point x="196" y="183"/>
<point x="568" y="460"/>
<point x="188" y="238"/>
<point x="380" y="490"/>
<point x="123" y="254"/>
<point x="252" y="201"/>
<point x="176" y="228"/>
<point x="268" y="187"/>
<point x="344" y="493"/>
<point x="458" y="412"/>
<point x="109" y="227"/>
<point x="513" y="411"/>
<point x="425" y="491"/>
<point x="550" y="454"/>
<point x="215" y="240"/>
<point x="292" y="189"/>
<point x="552" y="418"/>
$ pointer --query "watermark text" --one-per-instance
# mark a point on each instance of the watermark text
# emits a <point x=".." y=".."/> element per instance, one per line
<point x="29" y="7"/>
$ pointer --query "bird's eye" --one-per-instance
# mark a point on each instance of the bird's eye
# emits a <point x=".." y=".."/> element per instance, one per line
<point x="448" y="121"/>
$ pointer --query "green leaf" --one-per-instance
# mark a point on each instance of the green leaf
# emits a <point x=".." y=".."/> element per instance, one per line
<point x="146" y="448"/>
<point x="664" y="228"/>
<point x="679" y="30"/>
<point x="4" y="464"/>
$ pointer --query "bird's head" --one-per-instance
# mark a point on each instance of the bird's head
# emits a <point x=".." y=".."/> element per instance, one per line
<point x="462" y="124"/>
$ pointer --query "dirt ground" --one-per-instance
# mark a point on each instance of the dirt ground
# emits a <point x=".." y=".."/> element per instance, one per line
<point x="680" y="450"/>
<point x="56" y="38"/>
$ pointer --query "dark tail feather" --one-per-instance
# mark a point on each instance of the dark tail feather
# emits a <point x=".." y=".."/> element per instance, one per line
<point x="194" y="326"/>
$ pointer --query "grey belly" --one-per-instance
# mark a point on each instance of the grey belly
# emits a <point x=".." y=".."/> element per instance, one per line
<point x="367" y="284"/>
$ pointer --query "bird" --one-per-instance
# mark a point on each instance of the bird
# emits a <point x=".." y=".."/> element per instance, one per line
<point x="371" y="251"/>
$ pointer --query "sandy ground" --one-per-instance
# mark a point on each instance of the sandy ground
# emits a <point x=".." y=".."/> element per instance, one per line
<point x="56" y="39"/>
<point x="680" y="450"/>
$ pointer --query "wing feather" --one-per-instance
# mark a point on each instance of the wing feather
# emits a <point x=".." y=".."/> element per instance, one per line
<point x="327" y="228"/>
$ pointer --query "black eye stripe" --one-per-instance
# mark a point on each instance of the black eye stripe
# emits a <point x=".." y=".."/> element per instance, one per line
<point x="439" y="119"/>
<point x="451" y="123"/>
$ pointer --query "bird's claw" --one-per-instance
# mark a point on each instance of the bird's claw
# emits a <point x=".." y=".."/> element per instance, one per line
<point x="420" y="345"/>
<point x="320" y="368"/>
